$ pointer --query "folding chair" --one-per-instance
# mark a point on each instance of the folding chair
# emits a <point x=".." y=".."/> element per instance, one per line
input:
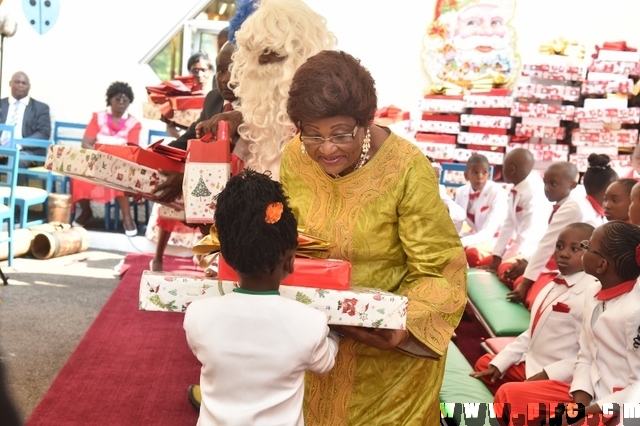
<point x="9" y="172"/>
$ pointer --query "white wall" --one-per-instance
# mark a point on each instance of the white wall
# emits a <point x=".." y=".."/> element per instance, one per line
<point x="97" y="42"/>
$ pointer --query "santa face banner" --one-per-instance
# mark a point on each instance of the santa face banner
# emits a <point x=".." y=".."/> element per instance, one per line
<point x="471" y="39"/>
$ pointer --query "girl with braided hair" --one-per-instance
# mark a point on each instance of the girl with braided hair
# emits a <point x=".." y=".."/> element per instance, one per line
<point x="254" y="345"/>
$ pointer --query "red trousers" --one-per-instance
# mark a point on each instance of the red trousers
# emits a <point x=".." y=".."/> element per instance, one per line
<point x="479" y="255"/>
<point x="515" y="373"/>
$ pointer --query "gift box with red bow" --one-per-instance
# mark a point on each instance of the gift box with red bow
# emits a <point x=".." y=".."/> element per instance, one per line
<point x="149" y="157"/>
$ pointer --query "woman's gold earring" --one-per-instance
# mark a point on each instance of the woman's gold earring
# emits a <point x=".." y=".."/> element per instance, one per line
<point x="366" y="142"/>
<point x="303" y="149"/>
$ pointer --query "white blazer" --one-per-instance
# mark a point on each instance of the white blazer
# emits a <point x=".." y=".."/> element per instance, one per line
<point x="527" y="219"/>
<point x="489" y="210"/>
<point x="572" y="209"/>
<point x="457" y="213"/>
<point x="608" y="364"/>
<point x="553" y="346"/>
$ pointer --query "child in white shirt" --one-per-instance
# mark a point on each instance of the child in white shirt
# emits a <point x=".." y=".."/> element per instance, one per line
<point x="485" y="205"/>
<point x="254" y="345"/>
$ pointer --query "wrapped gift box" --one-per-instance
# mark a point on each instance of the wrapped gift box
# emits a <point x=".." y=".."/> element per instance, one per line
<point x="167" y="292"/>
<point x="489" y="121"/>
<point x="142" y="157"/>
<point x="186" y="117"/>
<point x="186" y="102"/>
<point x="463" y="154"/>
<point x="613" y="67"/>
<point x="618" y="162"/>
<point x="543" y="152"/>
<point x="104" y="169"/>
<point x="548" y="92"/>
<point x="546" y="75"/>
<point x="436" y="138"/>
<point x="442" y="103"/>
<point x="358" y="306"/>
<point x="166" y="212"/>
<point x="619" y="55"/>
<point x="588" y="150"/>
<point x="545" y="132"/>
<point x="487" y="101"/>
<point x="316" y="273"/>
<point x="451" y="118"/>
<point x="598" y="87"/>
<point x="555" y="68"/>
<point x="438" y="127"/>
<point x="604" y="137"/>
<point x="388" y="115"/>
<point x="608" y="115"/>
<point x="437" y="151"/>
<point x="483" y="139"/>
<point x="560" y="112"/>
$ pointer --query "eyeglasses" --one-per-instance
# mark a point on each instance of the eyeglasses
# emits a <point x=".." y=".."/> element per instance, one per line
<point x="585" y="246"/>
<point x="341" y="139"/>
<point x="122" y="98"/>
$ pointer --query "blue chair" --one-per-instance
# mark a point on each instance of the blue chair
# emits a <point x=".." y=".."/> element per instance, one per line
<point x="156" y="135"/>
<point x="9" y="172"/>
<point x="456" y="169"/>
<point x="27" y="196"/>
<point x="67" y="133"/>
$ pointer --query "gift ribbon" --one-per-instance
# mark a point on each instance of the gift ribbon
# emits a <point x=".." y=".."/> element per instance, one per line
<point x="563" y="47"/>
<point x="619" y="46"/>
<point x="461" y="87"/>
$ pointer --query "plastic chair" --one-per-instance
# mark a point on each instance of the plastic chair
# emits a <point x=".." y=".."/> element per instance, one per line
<point x="156" y="135"/>
<point x="7" y="128"/>
<point x="456" y="169"/>
<point x="9" y="172"/>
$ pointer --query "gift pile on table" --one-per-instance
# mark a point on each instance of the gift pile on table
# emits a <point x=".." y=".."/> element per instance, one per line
<point x="175" y="102"/>
<point x="440" y="123"/>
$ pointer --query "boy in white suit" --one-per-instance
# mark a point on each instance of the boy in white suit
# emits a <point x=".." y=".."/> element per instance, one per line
<point x="570" y="206"/>
<point x="485" y="204"/>
<point x="528" y="212"/>
<point x="547" y="350"/>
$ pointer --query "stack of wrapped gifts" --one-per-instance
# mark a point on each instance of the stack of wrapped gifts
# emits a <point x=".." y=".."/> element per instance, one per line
<point x="175" y="102"/>
<point x="439" y="125"/>
<point x="321" y="284"/>
<point x="485" y="125"/>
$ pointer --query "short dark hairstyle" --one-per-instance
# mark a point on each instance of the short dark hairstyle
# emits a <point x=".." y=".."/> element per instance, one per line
<point x="627" y="183"/>
<point x="581" y="226"/>
<point x="330" y="84"/>
<point x="619" y="242"/>
<point x="477" y="159"/>
<point x="248" y="244"/>
<point x="599" y="174"/>
<point x="199" y="56"/>
<point x="119" y="88"/>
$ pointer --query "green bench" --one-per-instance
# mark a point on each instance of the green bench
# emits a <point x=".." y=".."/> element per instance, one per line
<point x="487" y="298"/>
<point x="457" y="385"/>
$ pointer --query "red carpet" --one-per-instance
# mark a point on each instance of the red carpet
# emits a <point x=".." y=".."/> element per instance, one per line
<point x="132" y="367"/>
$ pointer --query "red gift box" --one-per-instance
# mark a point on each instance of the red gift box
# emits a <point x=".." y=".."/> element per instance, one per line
<point x="168" y="151"/>
<point x="436" y="137"/>
<point x="315" y="273"/>
<point x="453" y="118"/>
<point x="488" y="130"/>
<point x="503" y="112"/>
<point x="209" y="150"/>
<point x="187" y="102"/>
<point x="492" y="92"/>
<point x="143" y="157"/>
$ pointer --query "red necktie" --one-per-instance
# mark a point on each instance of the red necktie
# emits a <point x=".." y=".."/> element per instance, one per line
<point x="474" y="195"/>
<point x="472" y="217"/>
<point x="556" y="206"/>
<point x="228" y="107"/>
<point x="560" y="281"/>
<point x="514" y="192"/>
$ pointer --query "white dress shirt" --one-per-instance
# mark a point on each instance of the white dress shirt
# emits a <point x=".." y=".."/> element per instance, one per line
<point x="528" y="213"/>
<point x="489" y="212"/>
<point x="553" y="346"/>
<point x="254" y="350"/>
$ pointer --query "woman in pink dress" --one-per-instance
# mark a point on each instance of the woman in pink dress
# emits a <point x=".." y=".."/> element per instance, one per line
<point x="115" y="126"/>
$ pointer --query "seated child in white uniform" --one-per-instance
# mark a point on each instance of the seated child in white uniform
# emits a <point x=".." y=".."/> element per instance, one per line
<point x="485" y="206"/>
<point x="254" y="345"/>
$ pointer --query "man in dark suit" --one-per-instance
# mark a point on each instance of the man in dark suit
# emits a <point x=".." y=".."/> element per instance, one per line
<point x="31" y="118"/>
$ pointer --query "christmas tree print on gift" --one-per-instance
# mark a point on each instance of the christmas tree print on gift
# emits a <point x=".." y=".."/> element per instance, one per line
<point x="201" y="189"/>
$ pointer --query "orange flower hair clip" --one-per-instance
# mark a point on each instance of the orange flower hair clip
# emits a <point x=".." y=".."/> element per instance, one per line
<point x="273" y="213"/>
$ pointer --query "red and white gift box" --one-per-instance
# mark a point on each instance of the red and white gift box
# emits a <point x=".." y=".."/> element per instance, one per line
<point x="559" y="112"/>
<point x="588" y="150"/>
<point x="488" y="101"/>
<point x="544" y="152"/>
<point x="544" y="132"/>
<point x="463" y="154"/>
<point x="487" y="121"/>
<point x="613" y="67"/>
<point x="439" y="138"/>
<point x="555" y="68"/>
<point x="441" y="103"/>
<point x="604" y="137"/>
<point x="482" y="139"/>
<point x="618" y="162"/>
<point x="547" y="92"/>
<point x="598" y="87"/>
<point x="104" y="169"/>
<point x="438" y="126"/>
<point x="437" y="151"/>
<point x="608" y="115"/>
<point x="167" y="212"/>
<point x="358" y="306"/>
